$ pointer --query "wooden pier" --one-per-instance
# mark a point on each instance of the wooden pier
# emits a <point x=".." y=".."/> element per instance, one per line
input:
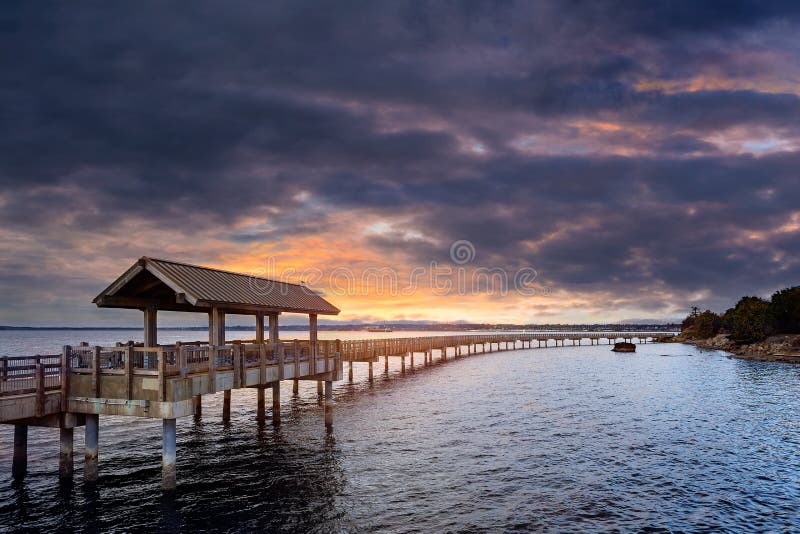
<point x="83" y="382"/>
<point x="77" y="386"/>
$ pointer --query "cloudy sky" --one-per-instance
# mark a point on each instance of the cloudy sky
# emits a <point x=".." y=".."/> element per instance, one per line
<point x="638" y="157"/>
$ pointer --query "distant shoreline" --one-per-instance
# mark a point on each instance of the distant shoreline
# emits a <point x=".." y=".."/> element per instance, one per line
<point x="395" y="327"/>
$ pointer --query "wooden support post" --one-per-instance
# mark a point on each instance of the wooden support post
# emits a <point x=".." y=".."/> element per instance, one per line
<point x="259" y="327"/>
<point x="237" y="366"/>
<point x="386" y="363"/>
<point x="273" y="328"/>
<point x="295" y="387"/>
<point x="65" y="372"/>
<point x="19" y="465"/>
<point x="168" y="455"/>
<point x="444" y="354"/>
<point x="65" y="453"/>
<point x="403" y="363"/>
<point x="261" y="410"/>
<point x="319" y="388"/>
<point x="180" y="357"/>
<point x="39" y="373"/>
<point x="129" y="372"/>
<point x="197" y="403"/>
<point x="90" y="454"/>
<point x="226" y="405"/>
<point x="412" y="359"/>
<point x="212" y="369"/>
<point x="349" y="371"/>
<point x="328" y="404"/>
<point x="276" y="403"/>
<point x="312" y="338"/>
<point x="216" y="327"/>
<point x="96" y="372"/>
<point x="296" y="353"/>
<point x="162" y="376"/>
<point x="370" y="372"/>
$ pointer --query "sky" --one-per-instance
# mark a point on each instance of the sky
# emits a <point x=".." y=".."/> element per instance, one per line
<point x="551" y="162"/>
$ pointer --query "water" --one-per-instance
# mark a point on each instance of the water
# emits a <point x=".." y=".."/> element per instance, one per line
<point x="564" y="439"/>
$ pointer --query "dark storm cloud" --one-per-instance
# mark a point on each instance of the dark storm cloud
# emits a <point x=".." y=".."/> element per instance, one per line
<point x="196" y="114"/>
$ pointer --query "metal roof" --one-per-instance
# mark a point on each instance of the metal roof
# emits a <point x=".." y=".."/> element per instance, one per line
<point x="192" y="286"/>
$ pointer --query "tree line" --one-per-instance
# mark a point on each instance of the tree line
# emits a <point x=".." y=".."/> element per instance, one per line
<point x="753" y="319"/>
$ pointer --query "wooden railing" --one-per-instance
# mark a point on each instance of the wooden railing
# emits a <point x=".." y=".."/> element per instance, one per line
<point x="20" y="375"/>
<point x="360" y="349"/>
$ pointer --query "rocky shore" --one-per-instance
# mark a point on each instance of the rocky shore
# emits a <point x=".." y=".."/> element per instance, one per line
<point x="782" y="348"/>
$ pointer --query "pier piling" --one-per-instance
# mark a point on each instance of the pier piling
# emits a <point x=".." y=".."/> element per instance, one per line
<point x="276" y="403"/>
<point x="90" y="447"/>
<point x="226" y="405"/>
<point x="296" y="387"/>
<point x="168" y="456"/>
<point x="19" y="465"/>
<point x="261" y="414"/>
<point x="197" y="403"/>
<point x="328" y="404"/>
<point x="370" y="371"/>
<point x="65" y="453"/>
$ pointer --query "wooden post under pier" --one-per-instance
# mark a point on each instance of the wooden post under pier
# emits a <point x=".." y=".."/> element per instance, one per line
<point x="168" y="455"/>
<point x="197" y="406"/>
<point x="226" y="406"/>
<point x="90" y="454"/>
<point x="328" y="404"/>
<point x="261" y="414"/>
<point x="19" y="465"/>
<point x="276" y="403"/>
<point x="65" y="453"/>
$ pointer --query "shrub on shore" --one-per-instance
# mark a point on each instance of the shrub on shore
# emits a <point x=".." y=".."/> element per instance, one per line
<point x="702" y="326"/>
<point x="753" y="319"/>
<point x="784" y="310"/>
<point x="749" y="321"/>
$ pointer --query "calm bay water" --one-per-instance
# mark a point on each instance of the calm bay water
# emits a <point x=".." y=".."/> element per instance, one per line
<point x="567" y="439"/>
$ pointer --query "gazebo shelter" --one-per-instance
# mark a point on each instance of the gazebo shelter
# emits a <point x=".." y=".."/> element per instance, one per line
<point x="168" y="381"/>
<point x="152" y="284"/>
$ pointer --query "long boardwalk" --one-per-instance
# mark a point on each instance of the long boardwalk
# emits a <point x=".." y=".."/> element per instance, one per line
<point x="168" y="381"/>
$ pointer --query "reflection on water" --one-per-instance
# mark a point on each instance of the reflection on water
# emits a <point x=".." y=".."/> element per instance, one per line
<point x="563" y="438"/>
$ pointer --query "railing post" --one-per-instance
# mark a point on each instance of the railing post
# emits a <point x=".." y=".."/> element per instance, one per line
<point x="182" y="363"/>
<point x="96" y="371"/>
<point x="212" y="369"/>
<point x="237" y="365"/>
<point x="129" y="355"/>
<point x="39" y="371"/>
<point x="296" y="349"/>
<point x="281" y="359"/>
<point x="337" y="358"/>
<point x="262" y="363"/>
<point x="65" y="368"/>
<point x="162" y="375"/>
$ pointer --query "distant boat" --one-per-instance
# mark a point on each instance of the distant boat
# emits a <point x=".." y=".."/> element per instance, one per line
<point x="624" y="347"/>
<point x="378" y="329"/>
